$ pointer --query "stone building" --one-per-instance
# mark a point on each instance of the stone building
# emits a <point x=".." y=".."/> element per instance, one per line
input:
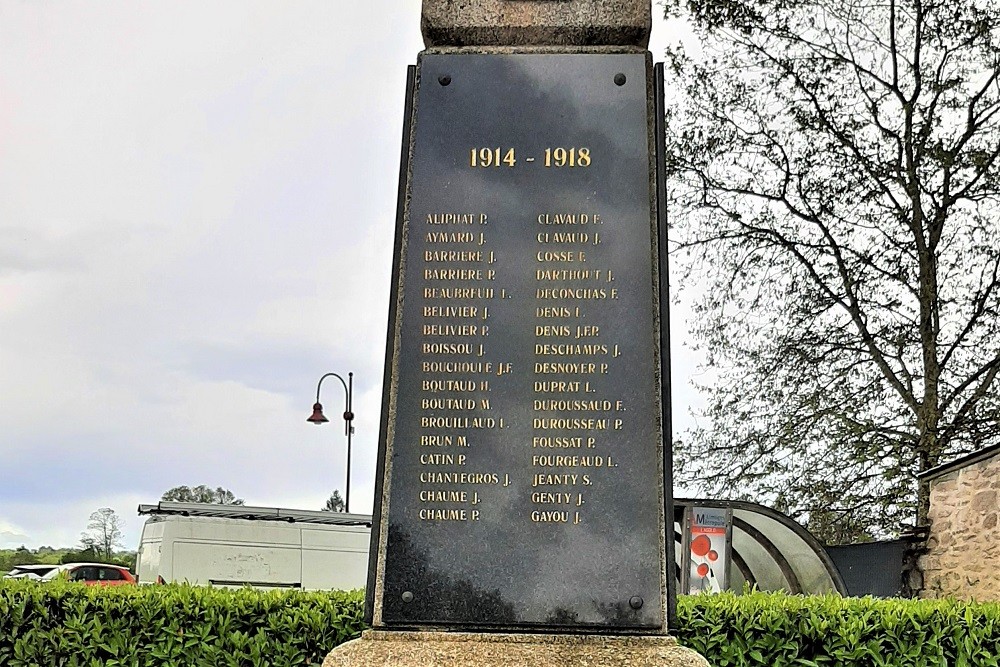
<point x="963" y="547"/>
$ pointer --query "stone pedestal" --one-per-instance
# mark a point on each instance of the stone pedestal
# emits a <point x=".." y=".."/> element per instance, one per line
<point x="535" y="22"/>
<point x="378" y="648"/>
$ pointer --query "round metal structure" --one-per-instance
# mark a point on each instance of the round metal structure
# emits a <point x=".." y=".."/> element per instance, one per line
<point x="770" y="551"/>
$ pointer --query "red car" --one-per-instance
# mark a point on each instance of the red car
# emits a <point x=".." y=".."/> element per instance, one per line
<point x="95" y="574"/>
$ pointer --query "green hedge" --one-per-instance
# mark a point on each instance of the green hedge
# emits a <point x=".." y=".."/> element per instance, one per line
<point x="75" y="625"/>
<point x="777" y="630"/>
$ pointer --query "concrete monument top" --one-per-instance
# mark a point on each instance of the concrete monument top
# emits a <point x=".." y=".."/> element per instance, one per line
<point x="531" y="23"/>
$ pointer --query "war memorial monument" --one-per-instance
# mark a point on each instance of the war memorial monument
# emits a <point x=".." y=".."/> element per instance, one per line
<point x="524" y="467"/>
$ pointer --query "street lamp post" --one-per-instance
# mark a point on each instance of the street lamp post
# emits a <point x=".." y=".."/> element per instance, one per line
<point x="318" y="418"/>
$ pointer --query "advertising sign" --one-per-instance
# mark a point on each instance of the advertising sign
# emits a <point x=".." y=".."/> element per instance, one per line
<point x="707" y="545"/>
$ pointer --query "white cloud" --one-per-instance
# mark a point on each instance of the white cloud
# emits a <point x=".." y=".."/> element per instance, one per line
<point x="197" y="208"/>
<point x="11" y="536"/>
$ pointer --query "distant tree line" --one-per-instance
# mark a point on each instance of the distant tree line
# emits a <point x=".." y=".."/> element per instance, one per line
<point x="202" y="494"/>
<point x="9" y="558"/>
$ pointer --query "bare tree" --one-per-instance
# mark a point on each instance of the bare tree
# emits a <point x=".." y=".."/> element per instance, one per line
<point x="104" y="532"/>
<point x="834" y="170"/>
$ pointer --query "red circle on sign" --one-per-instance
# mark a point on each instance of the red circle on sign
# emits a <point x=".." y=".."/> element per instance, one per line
<point x="713" y="555"/>
<point x="702" y="570"/>
<point x="701" y="545"/>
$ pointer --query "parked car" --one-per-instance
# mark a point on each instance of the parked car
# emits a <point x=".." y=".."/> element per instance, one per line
<point x="100" y="574"/>
<point x="35" y="572"/>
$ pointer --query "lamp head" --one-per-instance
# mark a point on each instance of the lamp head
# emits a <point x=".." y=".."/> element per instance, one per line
<point x="317" y="415"/>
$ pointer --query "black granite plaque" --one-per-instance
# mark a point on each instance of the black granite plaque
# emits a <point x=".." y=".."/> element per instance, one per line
<point x="523" y="465"/>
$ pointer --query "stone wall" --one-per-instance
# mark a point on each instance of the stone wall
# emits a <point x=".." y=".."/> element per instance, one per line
<point x="963" y="548"/>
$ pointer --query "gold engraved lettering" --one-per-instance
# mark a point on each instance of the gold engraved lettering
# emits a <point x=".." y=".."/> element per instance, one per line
<point x="453" y="274"/>
<point x="439" y="386"/>
<point x="463" y="330"/>
<point x="450" y="237"/>
<point x="549" y="442"/>
<point x="562" y="274"/>
<point x="437" y="459"/>
<point x="552" y="498"/>
<point x="451" y="311"/>
<point x="565" y="219"/>
<point x="546" y="368"/>
<point x="458" y="478"/>
<point x="560" y="405"/>
<point x="575" y="461"/>
<point x="491" y="157"/>
<point x="453" y="255"/>
<point x="447" y="404"/>
<point x="567" y="157"/>
<point x="548" y="331"/>
<point x="435" y="441"/>
<point x="457" y="367"/>
<point x="457" y="422"/>
<point x="556" y="387"/>
<point x="567" y="349"/>
<point x="568" y="424"/>
<point x="446" y="348"/>
<point x="450" y="218"/>
<point x="550" y="517"/>
<point x="475" y="293"/>
<point x="588" y="331"/>
<point x="555" y="256"/>
<point x="443" y="515"/>
<point x="563" y="293"/>
<point x="553" y="312"/>
<point x="439" y="496"/>
<point x="581" y="238"/>
<point x="556" y="480"/>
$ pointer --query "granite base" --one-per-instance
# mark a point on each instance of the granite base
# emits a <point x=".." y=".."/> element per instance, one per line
<point x="379" y="648"/>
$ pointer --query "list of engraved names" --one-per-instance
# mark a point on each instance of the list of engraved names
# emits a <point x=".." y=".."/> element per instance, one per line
<point x="541" y="377"/>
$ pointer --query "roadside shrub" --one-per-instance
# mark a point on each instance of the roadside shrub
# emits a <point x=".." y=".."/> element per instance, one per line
<point x="66" y="624"/>
<point x="778" y="630"/>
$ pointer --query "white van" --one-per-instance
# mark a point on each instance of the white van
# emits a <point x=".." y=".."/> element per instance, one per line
<point x="263" y="547"/>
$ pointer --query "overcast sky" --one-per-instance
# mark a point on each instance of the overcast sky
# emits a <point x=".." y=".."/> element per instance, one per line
<point x="197" y="203"/>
